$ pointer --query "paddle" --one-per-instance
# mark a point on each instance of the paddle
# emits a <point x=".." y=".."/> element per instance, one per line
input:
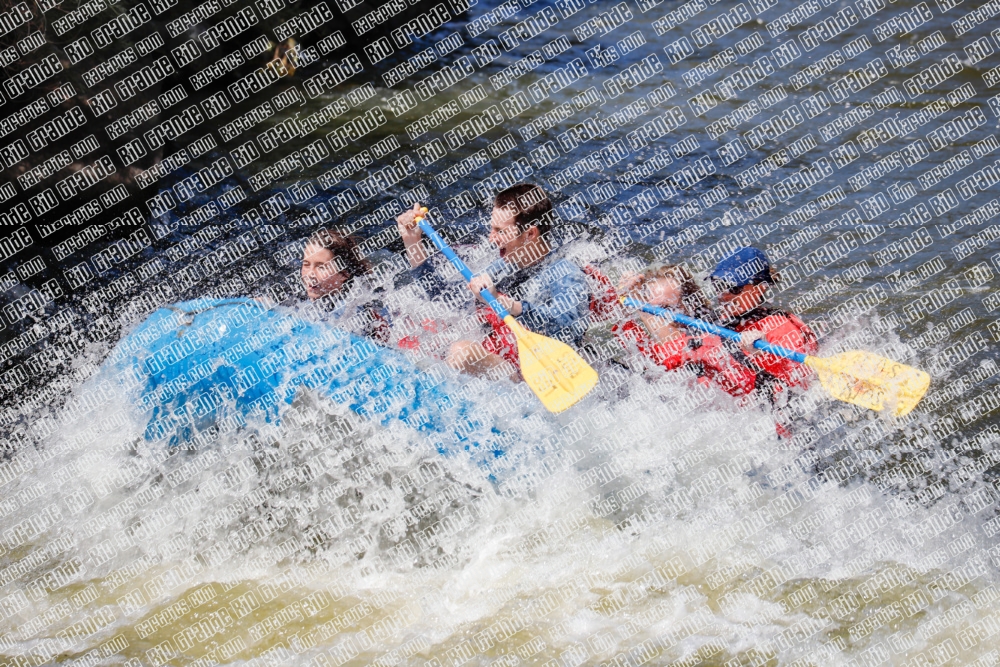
<point x="551" y="369"/>
<point x="856" y="377"/>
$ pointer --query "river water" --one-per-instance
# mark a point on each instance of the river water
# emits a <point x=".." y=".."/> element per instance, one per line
<point x="654" y="529"/>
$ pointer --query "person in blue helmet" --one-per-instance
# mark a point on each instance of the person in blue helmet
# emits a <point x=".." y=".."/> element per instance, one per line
<point x="742" y="281"/>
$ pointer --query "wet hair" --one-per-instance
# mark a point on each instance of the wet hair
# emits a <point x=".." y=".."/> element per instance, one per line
<point x="693" y="300"/>
<point x="345" y="251"/>
<point x="529" y="204"/>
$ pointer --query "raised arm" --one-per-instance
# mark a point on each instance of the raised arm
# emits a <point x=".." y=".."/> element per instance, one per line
<point x="410" y="232"/>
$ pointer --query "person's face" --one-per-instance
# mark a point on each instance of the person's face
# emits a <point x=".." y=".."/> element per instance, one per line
<point x="319" y="272"/>
<point x="664" y="292"/>
<point x="736" y="302"/>
<point x="506" y="237"/>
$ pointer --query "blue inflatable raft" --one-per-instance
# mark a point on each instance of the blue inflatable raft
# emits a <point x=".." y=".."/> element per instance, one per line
<point x="201" y="363"/>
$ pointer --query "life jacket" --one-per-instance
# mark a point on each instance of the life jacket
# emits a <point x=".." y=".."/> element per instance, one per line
<point x="411" y="341"/>
<point x="776" y="374"/>
<point x="378" y="328"/>
<point x="784" y="329"/>
<point x="499" y="339"/>
<point x="369" y="319"/>
<point x="704" y="353"/>
<point x="603" y="305"/>
<point x="374" y="323"/>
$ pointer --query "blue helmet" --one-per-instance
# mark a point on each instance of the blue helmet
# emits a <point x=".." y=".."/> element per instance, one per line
<point x="746" y="266"/>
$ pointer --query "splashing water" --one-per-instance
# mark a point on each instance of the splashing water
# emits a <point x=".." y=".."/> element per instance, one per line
<point x="659" y="522"/>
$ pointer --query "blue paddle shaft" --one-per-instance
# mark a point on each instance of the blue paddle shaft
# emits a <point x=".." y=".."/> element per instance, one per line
<point x="457" y="262"/>
<point x="776" y="350"/>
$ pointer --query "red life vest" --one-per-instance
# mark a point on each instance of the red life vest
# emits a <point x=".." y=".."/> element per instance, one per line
<point x="604" y="303"/>
<point x="777" y="373"/>
<point x="500" y="340"/>
<point x="704" y="352"/>
<point x="411" y="342"/>
<point x="784" y="329"/>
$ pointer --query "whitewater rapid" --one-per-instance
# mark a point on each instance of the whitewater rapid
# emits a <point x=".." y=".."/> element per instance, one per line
<point x="658" y="522"/>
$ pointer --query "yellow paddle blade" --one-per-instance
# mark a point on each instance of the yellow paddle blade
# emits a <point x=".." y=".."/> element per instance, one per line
<point x="552" y="369"/>
<point x="871" y="381"/>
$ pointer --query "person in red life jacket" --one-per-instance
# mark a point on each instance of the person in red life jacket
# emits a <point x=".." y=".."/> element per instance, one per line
<point x="330" y="262"/>
<point x="548" y="293"/>
<point x="742" y="281"/>
<point x="672" y="346"/>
